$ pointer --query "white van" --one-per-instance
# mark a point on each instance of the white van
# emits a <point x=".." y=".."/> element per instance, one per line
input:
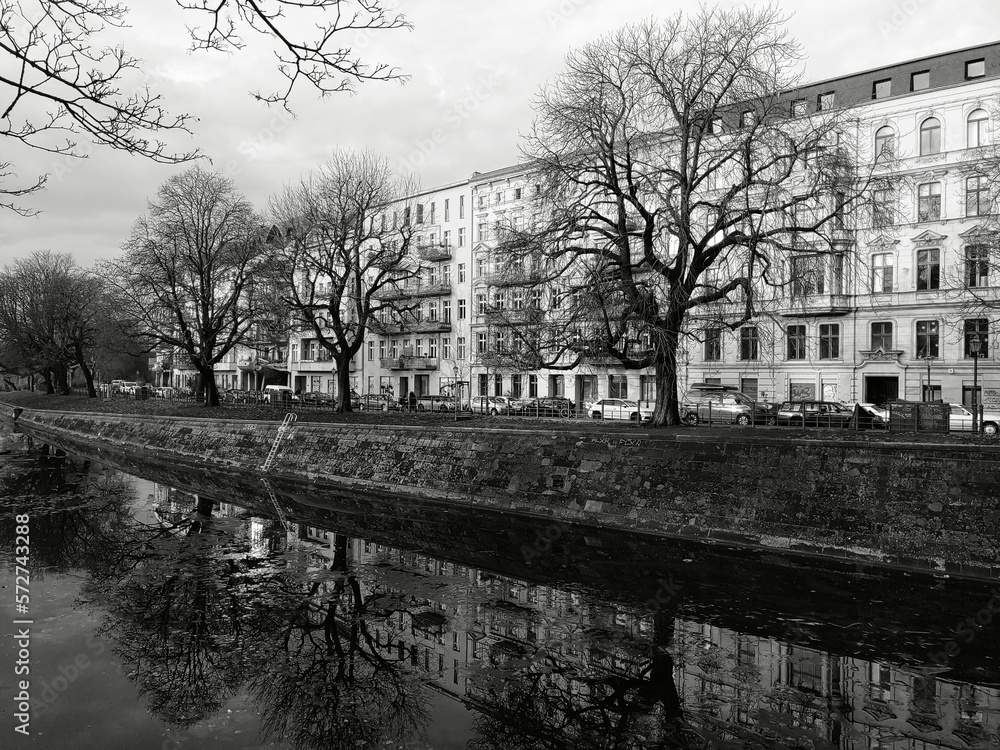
<point x="278" y="393"/>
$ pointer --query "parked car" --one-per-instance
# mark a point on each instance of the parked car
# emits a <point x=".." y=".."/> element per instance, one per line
<point x="620" y="408"/>
<point x="128" y="387"/>
<point x="814" y="414"/>
<point x="491" y="405"/>
<point x="316" y="398"/>
<point x="278" y="393"/>
<point x="961" y="419"/>
<point x="377" y="402"/>
<point x="547" y="406"/>
<point x="164" y="391"/>
<point x="435" y="403"/>
<point x="871" y="416"/>
<point x="723" y="404"/>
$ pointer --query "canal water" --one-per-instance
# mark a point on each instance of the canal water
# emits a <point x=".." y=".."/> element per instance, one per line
<point x="176" y="611"/>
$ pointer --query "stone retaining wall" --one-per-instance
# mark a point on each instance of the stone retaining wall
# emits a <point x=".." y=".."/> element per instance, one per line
<point x="926" y="506"/>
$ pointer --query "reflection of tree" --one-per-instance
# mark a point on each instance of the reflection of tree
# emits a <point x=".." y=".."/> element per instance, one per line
<point x="328" y="685"/>
<point x="176" y="618"/>
<point x="79" y="517"/>
<point x="548" y="700"/>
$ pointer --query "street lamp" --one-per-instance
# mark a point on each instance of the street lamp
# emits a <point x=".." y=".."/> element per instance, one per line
<point x="974" y="343"/>
<point x="927" y="357"/>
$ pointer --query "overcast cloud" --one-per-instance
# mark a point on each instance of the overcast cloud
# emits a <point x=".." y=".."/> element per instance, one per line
<point x="474" y="66"/>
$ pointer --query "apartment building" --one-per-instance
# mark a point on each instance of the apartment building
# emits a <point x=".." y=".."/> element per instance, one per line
<point x="893" y="316"/>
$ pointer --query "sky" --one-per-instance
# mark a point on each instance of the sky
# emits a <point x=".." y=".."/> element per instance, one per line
<point x="474" y="66"/>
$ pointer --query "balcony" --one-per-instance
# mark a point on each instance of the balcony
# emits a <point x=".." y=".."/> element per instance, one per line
<point x="816" y="306"/>
<point x="510" y="316"/>
<point x="409" y="326"/>
<point x="513" y="277"/>
<point x="410" y="289"/>
<point x="408" y="362"/>
<point x="434" y="252"/>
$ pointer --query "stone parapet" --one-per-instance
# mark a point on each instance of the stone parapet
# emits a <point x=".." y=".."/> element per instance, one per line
<point x="926" y="506"/>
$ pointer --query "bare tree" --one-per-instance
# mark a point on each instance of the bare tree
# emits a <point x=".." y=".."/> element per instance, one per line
<point x="195" y="272"/>
<point x="351" y="255"/>
<point x="679" y="181"/>
<point x="52" y="315"/>
<point x="62" y="80"/>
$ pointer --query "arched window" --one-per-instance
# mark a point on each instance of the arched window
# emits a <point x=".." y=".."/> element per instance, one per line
<point x="975" y="132"/>
<point x="930" y="136"/>
<point x="885" y="143"/>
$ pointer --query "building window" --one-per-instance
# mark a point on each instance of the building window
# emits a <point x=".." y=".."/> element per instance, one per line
<point x="883" y="265"/>
<point x="461" y="273"/>
<point x="824" y="101"/>
<point x="447" y="238"/>
<point x="977" y="269"/>
<point x="807" y="275"/>
<point x="481" y="342"/>
<point x="432" y="347"/>
<point x="713" y="345"/>
<point x="480" y="267"/>
<point x="446" y="311"/>
<point x="829" y="341"/>
<point x="748" y="118"/>
<point x="882" y="335"/>
<point x="381" y="348"/>
<point x="882" y="89"/>
<point x="800" y="108"/>
<point x="481" y="232"/>
<point x="447" y="209"/>
<point x="929" y="201"/>
<point x="461" y="206"/>
<point x="920" y="81"/>
<point x="975" y="129"/>
<point x="418" y="349"/>
<point x="975" y="68"/>
<point x="930" y="137"/>
<point x="976" y="197"/>
<point x="532" y="384"/>
<point x="371" y="351"/>
<point x="977" y="327"/>
<point x="617" y="386"/>
<point x="515" y="385"/>
<point x="885" y="144"/>
<point x="460" y="348"/>
<point x="498" y="385"/>
<point x="481" y="303"/>
<point x="483" y="384"/>
<point x="748" y="343"/>
<point x="517" y="194"/>
<point x="927" y="338"/>
<point x="461" y="309"/>
<point x="796" y="338"/>
<point x="883" y="207"/>
<point x="461" y="236"/>
<point x="928" y="269"/>
<point x="446" y="347"/>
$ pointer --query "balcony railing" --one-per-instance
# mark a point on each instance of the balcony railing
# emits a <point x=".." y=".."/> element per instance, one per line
<point x="403" y="291"/>
<point x="816" y="305"/>
<point x="513" y="277"/>
<point x="434" y="252"/>
<point x="408" y="362"/>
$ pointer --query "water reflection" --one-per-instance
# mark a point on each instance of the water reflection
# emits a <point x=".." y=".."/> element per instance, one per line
<point x="340" y="638"/>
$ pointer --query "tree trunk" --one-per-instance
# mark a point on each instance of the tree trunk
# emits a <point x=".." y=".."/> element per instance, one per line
<point x="207" y="378"/>
<point x="88" y="375"/>
<point x="667" y="410"/>
<point x="343" y="360"/>
<point x="47" y="379"/>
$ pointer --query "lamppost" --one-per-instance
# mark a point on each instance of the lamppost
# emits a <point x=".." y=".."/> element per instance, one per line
<point x="927" y="357"/>
<point x="974" y="343"/>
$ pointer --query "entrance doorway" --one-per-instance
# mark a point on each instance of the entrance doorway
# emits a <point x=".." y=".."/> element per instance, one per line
<point x="880" y="388"/>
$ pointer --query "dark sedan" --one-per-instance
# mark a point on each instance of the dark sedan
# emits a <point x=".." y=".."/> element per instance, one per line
<point x="814" y="414"/>
<point x="550" y="406"/>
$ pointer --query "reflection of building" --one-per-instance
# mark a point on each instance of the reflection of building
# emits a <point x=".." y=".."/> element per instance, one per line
<point x="736" y="683"/>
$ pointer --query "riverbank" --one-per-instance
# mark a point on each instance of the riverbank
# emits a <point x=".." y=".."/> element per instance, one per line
<point x="923" y="505"/>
